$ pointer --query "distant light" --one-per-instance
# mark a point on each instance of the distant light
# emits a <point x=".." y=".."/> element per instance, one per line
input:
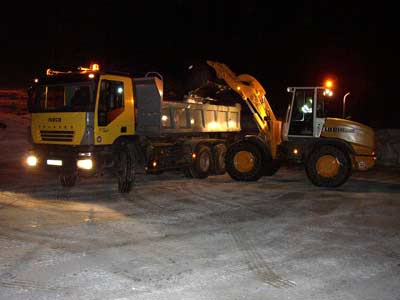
<point x="120" y="90"/>
<point x="31" y="161"/>
<point x="238" y="88"/>
<point x="95" y="67"/>
<point x="328" y="93"/>
<point x="192" y="121"/>
<point x="164" y="118"/>
<point x="36" y="80"/>
<point x="190" y="67"/>
<point x="154" y="164"/>
<point x="295" y="151"/>
<point x="329" y="84"/>
<point x="86" y="164"/>
<point x="231" y="123"/>
<point x="91" y="76"/>
<point x="194" y="155"/>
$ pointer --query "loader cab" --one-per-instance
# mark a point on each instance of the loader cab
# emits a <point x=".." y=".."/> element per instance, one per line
<point x="305" y="115"/>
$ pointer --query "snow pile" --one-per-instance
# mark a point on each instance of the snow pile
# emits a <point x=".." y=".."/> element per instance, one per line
<point x="388" y="147"/>
<point x="13" y="136"/>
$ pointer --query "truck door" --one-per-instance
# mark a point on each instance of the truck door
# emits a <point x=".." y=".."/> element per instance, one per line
<point x="114" y="110"/>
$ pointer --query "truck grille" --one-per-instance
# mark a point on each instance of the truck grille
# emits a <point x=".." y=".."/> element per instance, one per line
<point x="56" y="136"/>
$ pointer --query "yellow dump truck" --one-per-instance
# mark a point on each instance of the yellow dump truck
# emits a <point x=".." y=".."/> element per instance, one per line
<point x="87" y="122"/>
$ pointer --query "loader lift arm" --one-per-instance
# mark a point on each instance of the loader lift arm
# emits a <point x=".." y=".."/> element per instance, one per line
<point x="252" y="92"/>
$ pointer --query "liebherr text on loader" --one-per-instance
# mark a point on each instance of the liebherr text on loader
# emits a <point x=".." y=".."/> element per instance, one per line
<point x="330" y="148"/>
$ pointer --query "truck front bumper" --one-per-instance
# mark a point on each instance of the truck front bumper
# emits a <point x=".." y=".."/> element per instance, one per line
<point x="65" y="160"/>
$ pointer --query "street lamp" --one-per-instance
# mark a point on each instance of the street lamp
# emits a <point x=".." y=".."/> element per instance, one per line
<point x="344" y="104"/>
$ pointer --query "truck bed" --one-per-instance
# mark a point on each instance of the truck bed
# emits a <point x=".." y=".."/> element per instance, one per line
<point x="156" y="117"/>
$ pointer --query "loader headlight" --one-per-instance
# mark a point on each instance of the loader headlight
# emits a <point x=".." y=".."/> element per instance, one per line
<point x="31" y="160"/>
<point x="86" y="164"/>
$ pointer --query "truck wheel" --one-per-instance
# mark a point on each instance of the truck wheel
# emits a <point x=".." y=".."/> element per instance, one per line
<point x="126" y="173"/>
<point x="68" y="180"/>
<point x="219" y="159"/>
<point x="328" y="166"/>
<point x="187" y="173"/>
<point x="202" y="165"/>
<point x="271" y="167"/>
<point x="244" y="162"/>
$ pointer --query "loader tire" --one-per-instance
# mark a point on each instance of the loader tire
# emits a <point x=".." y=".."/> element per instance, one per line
<point x="328" y="166"/>
<point x="244" y="162"/>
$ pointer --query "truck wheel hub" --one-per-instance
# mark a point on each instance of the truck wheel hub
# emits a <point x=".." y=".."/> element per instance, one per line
<point x="204" y="162"/>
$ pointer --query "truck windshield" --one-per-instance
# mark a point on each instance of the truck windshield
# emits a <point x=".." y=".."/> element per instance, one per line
<point x="71" y="97"/>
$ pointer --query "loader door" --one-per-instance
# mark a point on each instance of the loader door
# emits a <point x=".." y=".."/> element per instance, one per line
<point x="302" y="113"/>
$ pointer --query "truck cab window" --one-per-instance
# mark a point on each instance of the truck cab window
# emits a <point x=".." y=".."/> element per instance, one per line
<point x="55" y="98"/>
<point x="111" y="101"/>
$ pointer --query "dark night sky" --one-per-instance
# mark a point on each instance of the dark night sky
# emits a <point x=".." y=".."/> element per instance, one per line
<point x="281" y="44"/>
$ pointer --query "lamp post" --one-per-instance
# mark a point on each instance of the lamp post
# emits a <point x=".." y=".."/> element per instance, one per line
<point x="344" y="104"/>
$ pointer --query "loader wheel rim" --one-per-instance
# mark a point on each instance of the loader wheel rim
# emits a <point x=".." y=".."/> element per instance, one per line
<point x="244" y="161"/>
<point x="328" y="166"/>
<point x="204" y="162"/>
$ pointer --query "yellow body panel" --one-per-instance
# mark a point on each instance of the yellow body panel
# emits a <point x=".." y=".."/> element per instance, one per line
<point x="359" y="136"/>
<point x="106" y="135"/>
<point x="56" y="128"/>
<point x="363" y="163"/>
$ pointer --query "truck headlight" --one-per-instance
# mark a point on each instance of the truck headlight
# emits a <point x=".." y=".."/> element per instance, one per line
<point x="31" y="160"/>
<point x="86" y="164"/>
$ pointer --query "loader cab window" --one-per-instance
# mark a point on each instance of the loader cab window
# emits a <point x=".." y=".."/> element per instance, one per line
<point x="111" y="101"/>
<point x="301" y="122"/>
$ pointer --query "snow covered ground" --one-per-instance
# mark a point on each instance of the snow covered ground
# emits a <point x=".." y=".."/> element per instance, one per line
<point x="179" y="238"/>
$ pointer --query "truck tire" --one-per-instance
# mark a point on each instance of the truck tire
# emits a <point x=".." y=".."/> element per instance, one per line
<point x="67" y="179"/>
<point x="271" y="167"/>
<point x="202" y="165"/>
<point x="126" y="162"/>
<point x="219" y="159"/>
<point x="244" y="162"/>
<point x="328" y="166"/>
<point x="187" y="173"/>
